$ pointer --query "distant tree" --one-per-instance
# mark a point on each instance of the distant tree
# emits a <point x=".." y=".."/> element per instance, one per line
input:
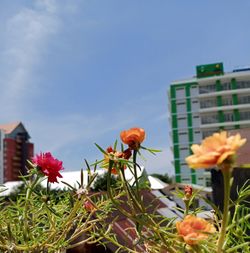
<point x="163" y="177"/>
<point x="143" y="180"/>
<point x="39" y="189"/>
<point x="100" y="183"/>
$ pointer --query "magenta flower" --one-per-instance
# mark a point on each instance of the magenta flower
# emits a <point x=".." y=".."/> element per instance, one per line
<point x="49" y="166"/>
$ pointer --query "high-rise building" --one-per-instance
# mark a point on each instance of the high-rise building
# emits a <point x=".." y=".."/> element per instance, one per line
<point x="199" y="106"/>
<point x="15" y="149"/>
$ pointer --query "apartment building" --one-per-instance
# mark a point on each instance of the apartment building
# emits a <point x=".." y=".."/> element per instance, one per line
<point x="209" y="102"/>
<point x="15" y="149"/>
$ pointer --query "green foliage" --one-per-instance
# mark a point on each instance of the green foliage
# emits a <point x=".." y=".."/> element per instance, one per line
<point x="163" y="177"/>
<point x="239" y="228"/>
<point x="143" y="181"/>
<point x="100" y="183"/>
<point x="36" y="220"/>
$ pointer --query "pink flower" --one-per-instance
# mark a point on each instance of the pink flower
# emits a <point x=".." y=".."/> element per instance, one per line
<point x="49" y="166"/>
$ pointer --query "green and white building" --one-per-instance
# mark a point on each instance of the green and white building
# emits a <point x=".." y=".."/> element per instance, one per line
<point x="207" y="103"/>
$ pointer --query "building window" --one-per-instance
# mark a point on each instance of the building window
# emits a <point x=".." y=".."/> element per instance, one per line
<point x="243" y="84"/>
<point x="183" y="137"/>
<point x="195" y="106"/>
<point x="181" y="107"/>
<point x="194" y="91"/>
<point x="180" y="93"/>
<point x="207" y="88"/>
<point x="226" y="86"/>
<point x="228" y="116"/>
<point x="184" y="152"/>
<point x="197" y="136"/>
<point x="227" y="101"/>
<point x="182" y="122"/>
<point x="245" y="115"/>
<point x="185" y="179"/>
<point x="196" y="120"/>
<point x="244" y="99"/>
<point x="208" y="103"/>
<point x="210" y="119"/>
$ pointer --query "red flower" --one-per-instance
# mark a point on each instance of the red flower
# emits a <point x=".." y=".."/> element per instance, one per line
<point x="49" y="166"/>
<point x="133" y="137"/>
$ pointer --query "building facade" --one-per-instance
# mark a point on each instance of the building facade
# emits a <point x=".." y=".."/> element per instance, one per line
<point x="15" y="149"/>
<point x="209" y="102"/>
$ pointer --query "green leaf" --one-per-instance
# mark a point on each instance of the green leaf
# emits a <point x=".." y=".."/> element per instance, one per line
<point x="101" y="149"/>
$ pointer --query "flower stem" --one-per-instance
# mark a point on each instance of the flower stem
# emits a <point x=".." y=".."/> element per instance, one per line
<point x="135" y="171"/>
<point x="226" y="172"/>
<point x="186" y="201"/>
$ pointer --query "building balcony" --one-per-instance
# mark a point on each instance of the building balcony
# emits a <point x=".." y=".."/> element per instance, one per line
<point x="224" y="93"/>
<point x="225" y="124"/>
<point x="19" y="140"/>
<point x="223" y="108"/>
<point x="16" y="164"/>
<point x="17" y="158"/>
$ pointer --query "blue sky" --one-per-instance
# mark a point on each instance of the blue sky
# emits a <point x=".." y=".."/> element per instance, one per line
<point x="78" y="72"/>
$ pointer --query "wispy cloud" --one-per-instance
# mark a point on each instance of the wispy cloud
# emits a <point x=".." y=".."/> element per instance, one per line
<point x="26" y="35"/>
<point x="163" y="116"/>
<point x="62" y="131"/>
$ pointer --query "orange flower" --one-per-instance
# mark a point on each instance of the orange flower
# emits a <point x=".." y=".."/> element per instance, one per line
<point x="214" y="150"/>
<point x="194" y="229"/>
<point x="133" y="137"/>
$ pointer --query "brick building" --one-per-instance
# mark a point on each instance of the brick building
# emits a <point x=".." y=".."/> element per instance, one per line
<point x="15" y="149"/>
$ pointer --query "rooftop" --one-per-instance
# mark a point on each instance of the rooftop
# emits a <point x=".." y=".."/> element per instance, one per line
<point x="10" y="127"/>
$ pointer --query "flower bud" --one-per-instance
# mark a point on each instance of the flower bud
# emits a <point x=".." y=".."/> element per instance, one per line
<point x="109" y="149"/>
<point x="89" y="206"/>
<point x="188" y="190"/>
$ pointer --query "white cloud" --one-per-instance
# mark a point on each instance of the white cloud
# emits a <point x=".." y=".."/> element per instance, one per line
<point x="59" y="132"/>
<point x="163" y="116"/>
<point x="26" y="36"/>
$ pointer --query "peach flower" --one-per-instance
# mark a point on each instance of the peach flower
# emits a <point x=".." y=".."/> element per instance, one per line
<point x="194" y="229"/>
<point x="133" y="137"/>
<point x="214" y="150"/>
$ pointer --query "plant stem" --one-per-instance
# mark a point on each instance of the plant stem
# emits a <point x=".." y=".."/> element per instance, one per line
<point x="135" y="171"/>
<point x="186" y="201"/>
<point x="226" y="172"/>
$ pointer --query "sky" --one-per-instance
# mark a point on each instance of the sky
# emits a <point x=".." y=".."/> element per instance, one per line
<point x="77" y="72"/>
